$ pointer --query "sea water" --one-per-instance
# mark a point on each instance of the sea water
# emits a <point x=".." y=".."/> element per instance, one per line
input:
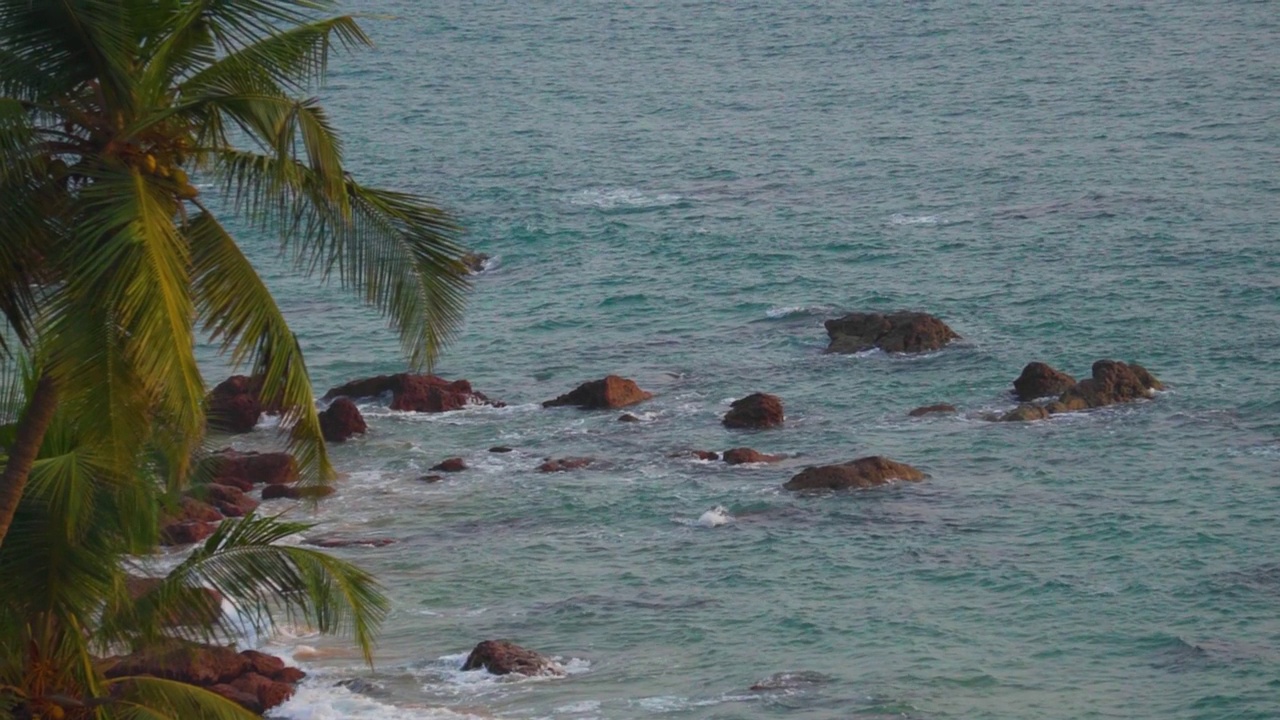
<point x="681" y="193"/>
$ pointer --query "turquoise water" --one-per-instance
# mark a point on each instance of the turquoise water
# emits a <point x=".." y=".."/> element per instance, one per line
<point x="681" y="192"/>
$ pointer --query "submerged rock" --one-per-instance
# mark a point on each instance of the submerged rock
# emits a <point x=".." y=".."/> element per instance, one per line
<point x="450" y="465"/>
<point x="899" y="332"/>
<point x="1111" y="382"/>
<point x="563" y="464"/>
<point x="341" y="420"/>
<point x="500" y="449"/>
<point x="628" y="418"/>
<point x="940" y="408"/>
<point x="861" y="473"/>
<point x="503" y="657"/>
<point x="758" y="410"/>
<point x="743" y="455"/>
<point x="608" y="392"/>
<point x="1040" y="380"/>
<point x="415" y="393"/>
<point x="474" y="263"/>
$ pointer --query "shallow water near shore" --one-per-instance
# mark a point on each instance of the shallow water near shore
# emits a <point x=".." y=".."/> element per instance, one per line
<point x="681" y="193"/>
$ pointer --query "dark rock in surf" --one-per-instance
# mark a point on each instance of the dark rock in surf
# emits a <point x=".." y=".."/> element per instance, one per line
<point x="269" y="468"/>
<point x="608" y="392"/>
<point x="341" y="420"/>
<point x="861" y="473"/>
<point x="744" y="455"/>
<point x="450" y="465"/>
<point x="565" y="464"/>
<point x="230" y="501"/>
<point x="503" y="657"/>
<point x="939" y="409"/>
<point x="296" y="492"/>
<point x="758" y="410"/>
<point x="1040" y="380"/>
<point x="415" y="393"/>
<point x="499" y="449"/>
<point x="233" y="405"/>
<point x="899" y="332"/>
<point x="628" y="418"/>
<point x="474" y="263"/>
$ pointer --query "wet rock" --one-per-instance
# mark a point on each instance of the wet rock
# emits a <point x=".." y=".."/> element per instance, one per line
<point x="696" y="454"/>
<point x="240" y="484"/>
<point x="1112" y="382"/>
<point x="341" y="420"/>
<point x="940" y="408"/>
<point x="262" y="663"/>
<point x="503" y="657"/>
<point x="628" y="418"/>
<point x="248" y="701"/>
<point x="1025" y="413"/>
<point x="188" y="509"/>
<point x="451" y="465"/>
<point x="743" y="455"/>
<point x="499" y="449"/>
<point x="758" y="410"/>
<point x="363" y="687"/>
<point x="270" y="467"/>
<point x="233" y="405"/>
<point x="189" y="521"/>
<point x="269" y="693"/>
<point x="186" y="533"/>
<point x="296" y="492"/>
<point x="1040" y="380"/>
<point x="861" y="473"/>
<point x="228" y="500"/>
<point x="474" y="262"/>
<point x="899" y="332"/>
<point x="563" y="464"/>
<point x="190" y="663"/>
<point x="610" y="391"/>
<point x="415" y="393"/>
<point x="289" y="674"/>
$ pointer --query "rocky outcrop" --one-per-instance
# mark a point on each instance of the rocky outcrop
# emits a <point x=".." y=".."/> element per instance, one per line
<point x="190" y="521"/>
<point x="608" y="392"/>
<point x="233" y="405"/>
<point x="257" y="468"/>
<point x="743" y="455"/>
<point x="758" y="410"/>
<point x="415" y="393"/>
<point x="1040" y="380"/>
<point x="256" y="681"/>
<point x="229" y="500"/>
<point x="939" y="409"/>
<point x="861" y="473"/>
<point x="1111" y="382"/>
<point x="564" y="464"/>
<point x="186" y="533"/>
<point x="450" y="465"/>
<point x="503" y="657"/>
<point x="341" y="420"/>
<point x="296" y="492"/>
<point x="899" y="332"/>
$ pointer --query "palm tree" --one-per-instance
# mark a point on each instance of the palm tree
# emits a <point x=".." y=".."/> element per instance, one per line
<point x="113" y="115"/>
<point x="66" y="600"/>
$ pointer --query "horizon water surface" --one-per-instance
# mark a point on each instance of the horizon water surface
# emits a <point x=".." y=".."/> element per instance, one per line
<point x="681" y="193"/>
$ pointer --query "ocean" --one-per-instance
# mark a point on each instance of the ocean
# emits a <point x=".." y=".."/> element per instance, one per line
<point x="681" y="192"/>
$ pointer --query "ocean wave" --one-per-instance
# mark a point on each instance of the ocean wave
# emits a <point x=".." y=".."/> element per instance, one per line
<point x="901" y="219"/>
<point x="790" y="311"/>
<point x="336" y="702"/>
<point x="622" y="198"/>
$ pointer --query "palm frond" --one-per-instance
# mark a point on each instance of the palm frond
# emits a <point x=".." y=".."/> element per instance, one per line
<point x="237" y="310"/>
<point x="152" y="698"/>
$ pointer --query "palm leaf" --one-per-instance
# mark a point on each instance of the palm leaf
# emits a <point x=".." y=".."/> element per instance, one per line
<point x="153" y="698"/>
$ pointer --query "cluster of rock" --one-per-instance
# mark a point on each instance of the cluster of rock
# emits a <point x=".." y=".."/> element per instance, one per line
<point x="256" y="681"/>
<point x="1111" y="382"/>
<point x="414" y="393"/>
<point x="898" y="332"/>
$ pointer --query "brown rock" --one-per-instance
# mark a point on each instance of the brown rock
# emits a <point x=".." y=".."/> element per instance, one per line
<point x="1025" y="413"/>
<point x="1040" y="380"/>
<point x="230" y="501"/>
<point x="900" y="332"/>
<point x="262" y="663"/>
<point x="758" y="410"/>
<point x="628" y="418"/>
<point x="191" y="663"/>
<point x="610" y="391"/>
<point x="563" y="464"/>
<point x="240" y="484"/>
<point x="256" y="467"/>
<point x="341" y="420"/>
<point x="706" y="455"/>
<point x="861" y="473"/>
<point x="931" y="409"/>
<point x="269" y="692"/>
<point x="246" y="700"/>
<point x="742" y="455"/>
<point x="503" y="657"/>
<point x="474" y="262"/>
<point x="415" y="393"/>
<point x="186" y="533"/>
<point x="289" y="674"/>
<point x="233" y="405"/>
<point x="296" y="492"/>
<point x="451" y="465"/>
<point x="190" y="509"/>
<point x="1112" y="382"/>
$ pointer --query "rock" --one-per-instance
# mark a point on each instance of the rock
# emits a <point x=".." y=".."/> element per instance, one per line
<point x="270" y="467"/>
<point x="191" y="663"/>
<point x="931" y="409"/>
<point x="706" y="455"/>
<point x="269" y="693"/>
<point x="201" y="606"/>
<point x="563" y="464"/>
<point x="262" y="663"/>
<point x="186" y="533"/>
<point x="246" y="700"/>
<point x="899" y="332"/>
<point x="341" y="420"/>
<point x="1025" y="412"/>
<point x="861" y="473"/>
<point x="296" y="492"/>
<point x="1040" y="380"/>
<point x="790" y="681"/>
<point x="289" y="674"/>
<point x="499" y="449"/>
<point x="474" y="262"/>
<point x="189" y="509"/>
<point x="230" y="501"/>
<point x="451" y="465"/>
<point x="430" y="478"/>
<point x="742" y="455"/>
<point x="344" y="542"/>
<point x="758" y="410"/>
<point x="503" y="657"/>
<point x="233" y="405"/>
<point x="415" y="393"/>
<point x="1112" y="382"/>
<point x="240" y="484"/>
<point x="628" y="418"/>
<point x="610" y="391"/>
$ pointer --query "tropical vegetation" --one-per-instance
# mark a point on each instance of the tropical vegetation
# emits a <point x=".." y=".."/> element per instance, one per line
<point x="130" y="130"/>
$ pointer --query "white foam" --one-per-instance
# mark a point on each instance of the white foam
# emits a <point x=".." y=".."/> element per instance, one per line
<point x="900" y="219"/>
<point x="612" y="198"/>
<point x="715" y="517"/>
<point x="338" y="703"/>
<point x="775" y="313"/>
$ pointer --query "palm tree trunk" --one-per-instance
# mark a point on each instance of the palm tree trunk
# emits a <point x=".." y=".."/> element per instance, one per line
<point x="26" y="445"/>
